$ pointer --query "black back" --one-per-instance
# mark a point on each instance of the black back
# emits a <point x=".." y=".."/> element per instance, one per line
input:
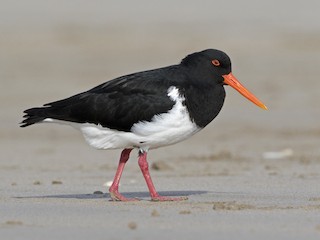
<point x="124" y="101"/>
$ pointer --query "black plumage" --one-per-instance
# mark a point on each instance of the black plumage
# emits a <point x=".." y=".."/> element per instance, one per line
<point x="149" y="109"/>
<point x="116" y="104"/>
<point x="124" y="101"/>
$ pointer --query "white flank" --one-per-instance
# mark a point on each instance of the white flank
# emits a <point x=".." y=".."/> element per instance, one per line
<point x="163" y="129"/>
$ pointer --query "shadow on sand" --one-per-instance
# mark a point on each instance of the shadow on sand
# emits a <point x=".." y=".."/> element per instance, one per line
<point x="141" y="195"/>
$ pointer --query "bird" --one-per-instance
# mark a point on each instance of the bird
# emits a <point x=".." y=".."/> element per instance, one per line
<point x="147" y="110"/>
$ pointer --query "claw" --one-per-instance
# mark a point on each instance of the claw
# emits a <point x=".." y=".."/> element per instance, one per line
<point x="116" y="196"/>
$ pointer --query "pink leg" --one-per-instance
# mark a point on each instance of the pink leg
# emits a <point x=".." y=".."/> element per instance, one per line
<point x="145" y="171"/>
<point x="114" y="192"/>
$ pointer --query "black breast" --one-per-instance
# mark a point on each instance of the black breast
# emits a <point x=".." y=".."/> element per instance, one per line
<point x="204" y="104"/>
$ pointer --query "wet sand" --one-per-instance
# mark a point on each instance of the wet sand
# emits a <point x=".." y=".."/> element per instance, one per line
<point x="251" y="174"/>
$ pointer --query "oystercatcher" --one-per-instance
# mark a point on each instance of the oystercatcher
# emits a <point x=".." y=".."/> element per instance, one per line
<point x="147" y="110"/>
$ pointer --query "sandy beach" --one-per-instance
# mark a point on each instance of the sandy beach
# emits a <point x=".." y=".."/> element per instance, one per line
<point x="250" y="174"/>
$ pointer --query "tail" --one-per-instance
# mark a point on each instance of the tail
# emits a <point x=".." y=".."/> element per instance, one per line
<point x="70" y="109"/>
<point x="34" y="115"/>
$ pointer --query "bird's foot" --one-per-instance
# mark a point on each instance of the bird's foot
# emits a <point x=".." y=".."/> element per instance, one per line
<point x="116" y="196"/>
<point x="165" y="198"/>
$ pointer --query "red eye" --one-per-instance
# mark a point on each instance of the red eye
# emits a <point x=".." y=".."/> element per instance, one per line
<point x="216" y="62"/>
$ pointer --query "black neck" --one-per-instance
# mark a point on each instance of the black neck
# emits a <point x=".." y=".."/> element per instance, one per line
<point x="204" y="104"/>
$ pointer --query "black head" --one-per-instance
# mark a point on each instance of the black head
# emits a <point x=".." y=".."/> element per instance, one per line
<point x="214" y="67"/>
<point x="211" y="61"/>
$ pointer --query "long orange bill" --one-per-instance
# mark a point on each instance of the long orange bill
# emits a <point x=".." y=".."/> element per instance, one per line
<point x="233" y="82"/>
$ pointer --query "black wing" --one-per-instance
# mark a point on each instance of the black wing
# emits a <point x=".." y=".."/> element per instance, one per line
<point x="116" y="104"/>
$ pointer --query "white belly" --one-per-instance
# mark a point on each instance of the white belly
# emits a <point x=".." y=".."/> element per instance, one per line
<point x="163" y="129"/>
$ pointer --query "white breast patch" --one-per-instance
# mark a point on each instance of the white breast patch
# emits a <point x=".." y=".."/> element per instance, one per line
<point x="163" y="129"/>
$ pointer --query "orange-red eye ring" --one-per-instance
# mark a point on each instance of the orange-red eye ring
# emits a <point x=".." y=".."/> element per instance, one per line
<point x="216" y="62"/>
